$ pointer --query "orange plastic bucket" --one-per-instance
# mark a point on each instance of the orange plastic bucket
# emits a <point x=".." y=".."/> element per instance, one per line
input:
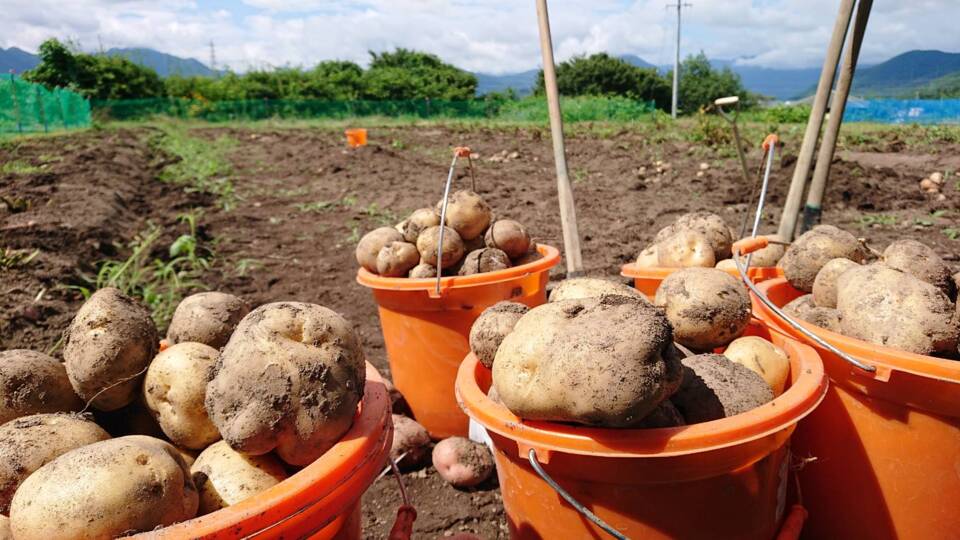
<point x="647" y="279"/>
<point x="722" y="479"/>
<point x="356" y="137"/>
<point x="427" y="334"/>
<point x="322" y="501"/>
<point x="887" y="444"/>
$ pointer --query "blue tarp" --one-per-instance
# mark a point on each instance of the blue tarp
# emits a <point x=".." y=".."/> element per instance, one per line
<point x="903" y="111"/>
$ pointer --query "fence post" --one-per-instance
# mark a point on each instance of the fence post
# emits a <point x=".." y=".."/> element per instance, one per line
<point x="63" y="113"/>
<point x="43" y="115"/>
<point x="16" y="104"/>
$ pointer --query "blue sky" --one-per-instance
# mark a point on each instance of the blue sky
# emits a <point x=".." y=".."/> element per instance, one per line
<point x="493" y="36"/>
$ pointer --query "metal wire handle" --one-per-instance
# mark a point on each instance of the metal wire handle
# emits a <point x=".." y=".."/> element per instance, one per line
<point x="460" y="151"/>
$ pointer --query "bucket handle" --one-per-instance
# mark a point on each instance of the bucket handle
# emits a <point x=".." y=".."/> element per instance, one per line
<point x="532" y="457"/>
<point x="460" y="151"/>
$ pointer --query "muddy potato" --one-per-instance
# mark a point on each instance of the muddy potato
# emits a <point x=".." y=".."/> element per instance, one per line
<point x="110" y="343"/>
<point x="685" y="249"/>
<point x="664" y="416"/>
<point x="31" y="383"/>
<point x="825" y="284"/>
<point x="585" y="287"/>
<point x="370" y="245"/>
<point x="484" y="260"/>
<point x="29" y="442"/>
<point x="708" y="224"/>
<point x="289" y="379"/>
<point x="706" y="307"/>
<point x="174" y="391"/>
<point x="207" y="317"/>
<point x="396" y="259"/>
<point x="225" y="477"/>
<point x="763" y="358"/>
<point x="410" y="440"/>
<point x="714" y="387"/>
<point x="462" y="462"/>
<point x="423" y="271"/>
<point x="884" y="306"/>
<point x="805" y="309"/>
<point x="491" y="327"/>
<point x="606" y="361"/>
<point x="468" y="214"/>
<point x="419" y="221"/>
<point x="921" y="262"/>
<point x="806" y="255"/>
<point x="508" y="236"/>
<point x="429" y="240"/>
<point x="107" y="489"/>
<point x="648" y="257"/>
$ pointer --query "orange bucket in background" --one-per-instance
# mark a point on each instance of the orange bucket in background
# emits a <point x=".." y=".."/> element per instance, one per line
<point x="647" y="279"/>
<point x="356" y="137"/>
<point x="887" y="443"/>
<point x="322" y="501"/>
<point x="427" y="335"/>
<point x="722" y="479"/>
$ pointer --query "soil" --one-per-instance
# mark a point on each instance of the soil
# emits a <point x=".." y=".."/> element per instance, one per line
<point x="305" y="199"/>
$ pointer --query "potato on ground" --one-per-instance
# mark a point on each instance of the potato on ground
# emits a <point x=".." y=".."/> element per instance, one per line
<point x="396" y="259"/>
<point x="463" y="463"/>
<point x="763" y="358"/>
<point x="31" y="383"/>
<point x="508" y="236"/>
<point x="921" y="262"/>
<point x="429" y="240"/>
<point x="410" y="440"/>
<point x="370" y="245"/>
<point x="708" y="224"/>
<point x="110" y="343"/>
<point x="805" y="309"/>
<point x="225" y="477"/>
<point x="468" y="214"/>
<point x="825" y="285"/>
<point x="706" y="307"/>
<point x="29" y="442"/>
<point x="484" y="260"/>
<point x="685" y="249"/>
<point x="174" y="391"/>
<point x="714" y="387"/>
<point x="207" y="317"/>
<point x="606" y="361"/>
<point x="419" y="221"/>
<point x="289" y="379"/>
<point x="884" y="306"/>
<point x="491" y="327"/>
<point x="107" y="489"/>
<point x="815" y="248"/>
<point x="585" y="287"/>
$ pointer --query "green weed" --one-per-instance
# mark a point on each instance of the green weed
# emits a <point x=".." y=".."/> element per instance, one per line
<point x="951" y="233"/>
<point x="243" y="266"/>
<point x="579" y="175"/>
<point x="883" y="220"/>
<point x="380" y="215"/>
<point x="319" y="206"/>
<point x="200" y="165"/>
<point x="16" y="257"/>
<point x="18" y="166"/>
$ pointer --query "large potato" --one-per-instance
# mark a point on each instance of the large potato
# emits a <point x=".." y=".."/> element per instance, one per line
<point x="463" y="463"/>
<point x="763" y="358"/>
<point x="225" y="477"/>
<point x="31" y="383"/>
<point x="110" y="343"/>
<point x="708" y="224"/>
<point x="684" y="249"/>
<point x="585" y="287"/>
<point x="107" y="489"/>
<point x="491" y="327"/>
<point x="289" y="379"/>
<point x="815" y="248"/>
<point x="174" y="391"/>
<point x="921" y="262"/>
<point x="770" y="255"/>
<point x="370" y="245"/>
<point x="805" y="309"/>
<point x="419" y="221"/>
<point x="509" y="236"/>
<point x="396" y="259"/>
<point x="606" y="361"/>
<point x="452" y="251"/>
<point x="714" y="387"/>
<point x="207" y="317"/>
<point x="707" y="308"/>
<point x="28" y="443"/>
<point x="825" y="285"/>
<point x="484" y="260"/>
<point x="884" y="306"/>
<point x="468" y="214"/>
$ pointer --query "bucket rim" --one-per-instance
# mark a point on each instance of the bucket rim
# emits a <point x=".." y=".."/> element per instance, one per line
<point x="880" y="355"/>
<point x="551" y="257"/>
<point x="633" y="270"/>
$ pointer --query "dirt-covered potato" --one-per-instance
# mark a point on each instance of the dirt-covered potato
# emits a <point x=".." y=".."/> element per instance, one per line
<point x="706" y="307"/>
<point x="884" y="306"/>
<point x="110" y="343"/>
<point x="714" y="387"/>
<point x="225" y="477"/>
<point x="5" y="532"/>
<point x="770" y="255"/>
<point x="806" y="255"/>
<point x="484" y="260"/>
<point x="423" y="271"/>
<point x="174" y="391"/>
<point x="207" y="317"/>
<point x="29" y="442"/>
<point x="370" y="245"/>
<point x="468" y="214"/>
<point x="419" y="221"/>
<point x="648" y="257"/>
<point x="685" y="249"/>
<point x="396" y="259"/>
<point x="921" y="262"/>
<point x="462" y="462"/>
<point x="508" y="236"/>
<point x="429" y="240"/>
<point x="664" y="416"/>
<point x="708" y="224"/>
<point x="289" y="379"/>
<point x="606" y="361"/>
<point x="107" y="489"/>
<point x="491" y="327"/>
<point x="585" y="287"/>
<point x="763" y="358"/>
<point x="805" y="309"/>
<point x="825" y="284"/>
<point x="31" y="383"/>
<point x="410" y="440"/>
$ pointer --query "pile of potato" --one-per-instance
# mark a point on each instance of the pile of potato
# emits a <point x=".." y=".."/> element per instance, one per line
<point x="474" y="241"/>
<point x="237" y="402"/>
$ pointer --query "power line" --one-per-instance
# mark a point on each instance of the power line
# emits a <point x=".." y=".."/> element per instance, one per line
<point x="676" y="58"/>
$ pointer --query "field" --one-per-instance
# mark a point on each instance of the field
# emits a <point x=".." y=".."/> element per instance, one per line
<point x="273" y="211"/>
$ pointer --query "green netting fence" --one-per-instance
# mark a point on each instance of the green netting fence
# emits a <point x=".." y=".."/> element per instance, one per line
<point x="27" y="107"/>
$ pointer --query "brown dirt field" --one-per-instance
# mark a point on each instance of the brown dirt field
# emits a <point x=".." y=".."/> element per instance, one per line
<point x="305" y="199"/>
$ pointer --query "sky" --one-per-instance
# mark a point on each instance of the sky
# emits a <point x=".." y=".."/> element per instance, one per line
<point x="490" y="36"/>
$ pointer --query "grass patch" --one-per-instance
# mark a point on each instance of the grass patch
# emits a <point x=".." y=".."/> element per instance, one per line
<point x="16" y="257"/>
<point x="880" y="220"/>
<point x="18" y="166"/>
<point x="201" y="165"/>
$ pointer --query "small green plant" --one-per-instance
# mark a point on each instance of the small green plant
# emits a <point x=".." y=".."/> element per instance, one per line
<point x="245" y="265"/>
<point x="930" y="220"/>
<point x="319" y="206"/>
<point x="16" y="257"/>
<point x="710" y="130"/>
<point x="882" y="220"/>
<point x="17" y="166"/>
<point x="397" y="144"/>
<point x="951" y="233"/>
<point x="200" y="165"/>
<point x="354" y="236"/>
<point x="579" y="175"/>
<point x="381" y="215"/>
<point x="16" y="205"/>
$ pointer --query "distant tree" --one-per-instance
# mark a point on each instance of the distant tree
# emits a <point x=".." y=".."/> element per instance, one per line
<point x="603" y="75"/>
<point x="336" y="80"/>
<point x="406" y="74"/>
<point x="701" y="84"/>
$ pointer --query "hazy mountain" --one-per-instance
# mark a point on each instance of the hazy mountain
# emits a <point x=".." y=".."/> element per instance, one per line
<point x="522" y="82"/>
<point x="904" y="74"/>
<point x="17" y="60"/>
<point x="164" y="64"/>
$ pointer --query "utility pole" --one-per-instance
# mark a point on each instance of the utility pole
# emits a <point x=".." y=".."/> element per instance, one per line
<point x="213" y="57"/>
<point x="676" y="60"/>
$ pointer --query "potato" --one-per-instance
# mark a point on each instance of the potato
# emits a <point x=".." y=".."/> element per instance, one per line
<point x="484" y="260"/>
<point x="5" y="532"/>
<point x="491" y="327"/>
<point x="606" y="361"/>
<point x="714" y="387"/>
<point x="462" y="462"/>
<point x="31" y="383"/>
<point x="806" y="255"/>
<point x="207" y="317"/>
<point x="884" y="306"/>
<point x="400" y="227"/>
<point x="727" y="264"/>
<point x="419" y="220"/>
<point x="664" y="416"/>
<point x="468" y="214"/>
<point x="685" y="249"/>
<point x="104" y="490"/>
<point x="648" y="258"/>
<point x="921" y="262"/>
<point x="410" y="440"/>
<point x="509" y="236"/>
<point x="825" y="284"/>
<point x="29" y="442"/>
<point x="584" y="287"/>
<point x="428" y="242"/>
<point x="423" y="271"/>
<point x="708" y="224"/>
<point x="396" y="259"/>
<point x="110" y="343"/>
<point x="763" y="358"/>
<point x="770" y="255"/>
<point x="370" y="245"/>
<point x="289" y="379"/>
<point x="174" y="391"/>
<point x="225" y="477"/>
<point x="706" y="307"/>
<point x="804" y="308"/>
